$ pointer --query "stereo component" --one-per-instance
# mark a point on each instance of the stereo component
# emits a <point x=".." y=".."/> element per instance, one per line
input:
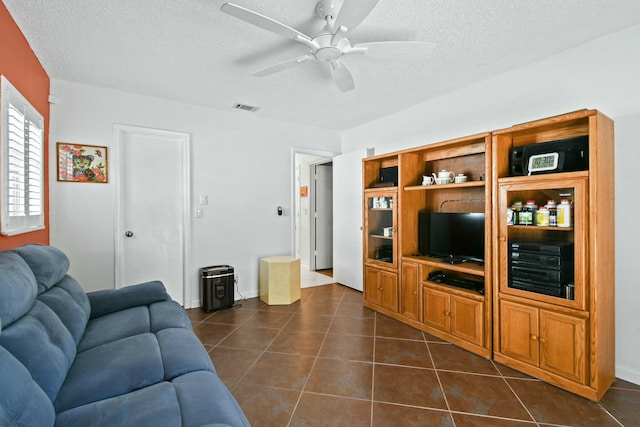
<point x="542" y="267"/>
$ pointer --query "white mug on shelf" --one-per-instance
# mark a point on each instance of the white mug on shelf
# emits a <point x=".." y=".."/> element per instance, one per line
<point x="428" y="180"/>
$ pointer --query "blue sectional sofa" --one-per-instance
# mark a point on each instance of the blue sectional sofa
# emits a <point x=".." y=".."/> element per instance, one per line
<point x="124" y="357"/>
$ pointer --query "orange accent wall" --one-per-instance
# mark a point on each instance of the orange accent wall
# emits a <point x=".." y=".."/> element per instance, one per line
<point x="21" y="66"/>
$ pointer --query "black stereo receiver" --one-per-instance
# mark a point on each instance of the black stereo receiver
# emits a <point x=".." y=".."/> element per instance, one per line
<point x="565" y="155"/>
<point x="542" y="267"/>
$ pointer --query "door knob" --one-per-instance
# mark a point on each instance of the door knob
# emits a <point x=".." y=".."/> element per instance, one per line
<point x="128" y="233"/>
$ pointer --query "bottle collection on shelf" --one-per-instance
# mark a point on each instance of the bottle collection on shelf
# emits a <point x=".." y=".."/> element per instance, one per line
<point x="549" y="215"/>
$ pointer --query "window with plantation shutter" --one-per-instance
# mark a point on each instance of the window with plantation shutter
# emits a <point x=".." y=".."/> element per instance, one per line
<point x="22" y="167"/>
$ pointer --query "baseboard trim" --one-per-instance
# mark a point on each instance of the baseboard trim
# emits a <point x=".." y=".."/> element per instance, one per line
<point x="626" y="374"/>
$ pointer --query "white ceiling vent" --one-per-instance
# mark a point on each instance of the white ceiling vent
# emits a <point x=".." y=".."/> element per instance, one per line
<point x="246" y="107"/>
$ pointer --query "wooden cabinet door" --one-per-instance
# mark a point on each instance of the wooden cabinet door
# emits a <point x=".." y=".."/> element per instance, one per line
<point x="372" y="292"/>
<point x="466" y="319"/>
<point x="389" y="290"/>
<point x="381" y="229"/>
<point x="409" y="291"/>
<point x="519" y="332"/>
<point x="435" y="308"/>
<point x="563" y="348"/>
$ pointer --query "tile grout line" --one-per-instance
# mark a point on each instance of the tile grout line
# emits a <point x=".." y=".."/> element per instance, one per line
<point x="254" y="362"/>
<point x="315" y="360"/>
<point x="444" y="395"/>
<point x="514" y="393"/>
<point x="373" y="365"/>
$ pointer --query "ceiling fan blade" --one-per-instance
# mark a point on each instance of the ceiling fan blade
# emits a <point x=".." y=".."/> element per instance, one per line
<point x="353" y="12"/>
<point x="398" y="50"/>
<point x="262" y="21"/>
<point x="282" y="66"/>
<point x="342" y="77"/>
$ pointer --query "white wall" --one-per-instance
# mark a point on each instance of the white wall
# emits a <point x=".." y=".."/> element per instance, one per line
<point x="243" y="163"/>
<point x="602" y="75"/>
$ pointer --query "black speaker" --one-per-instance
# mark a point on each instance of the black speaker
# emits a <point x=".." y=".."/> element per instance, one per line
<point x="516" y="161"/>
<point x="389" y="175"/>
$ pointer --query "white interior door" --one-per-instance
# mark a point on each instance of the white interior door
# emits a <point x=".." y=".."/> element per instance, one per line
<point x="322" y="216"/>
<point x="347" y="221"/>
<point x="153" y="196"/>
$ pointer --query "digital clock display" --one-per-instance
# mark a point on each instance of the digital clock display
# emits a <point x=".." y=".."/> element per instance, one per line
<point x="543" y="162"/>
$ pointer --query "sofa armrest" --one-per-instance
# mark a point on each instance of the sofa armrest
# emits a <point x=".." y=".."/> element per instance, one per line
<point x="112" y="300"/>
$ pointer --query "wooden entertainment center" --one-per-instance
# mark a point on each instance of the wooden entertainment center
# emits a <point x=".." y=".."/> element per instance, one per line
<point x="565" y="340"/>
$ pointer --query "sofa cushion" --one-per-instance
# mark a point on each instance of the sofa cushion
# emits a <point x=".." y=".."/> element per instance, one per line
<point x="133" y="321"/>
<point x="41" y="342"/>
<point x="204" y="399"/>
<point x="71" y="305"/>
<point x="22" y="401"/>
<point x="113" y="300"/>
<point x="48" y="264"/>
<point x="182" y="352"/>
<point x="18" y="288"/>
<point x="196" y="399"/>
<point x="111" y="369"/>
<point x="156" y="405"/>
<point x="168" y="314"/>
<point x="115" y="326"/>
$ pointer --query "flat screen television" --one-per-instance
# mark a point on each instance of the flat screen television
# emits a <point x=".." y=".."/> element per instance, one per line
<point x="453" y="236"/>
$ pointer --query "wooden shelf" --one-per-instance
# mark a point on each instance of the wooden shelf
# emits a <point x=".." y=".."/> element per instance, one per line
<point x="442" y="186"/>
<point x="380" y="236"/>
<point x="467" y="293"/>
<point x="469" y="267"/>
<point x="559" y="177"/>
<point x="379" y="189"/>
<point x="538" y="227"/>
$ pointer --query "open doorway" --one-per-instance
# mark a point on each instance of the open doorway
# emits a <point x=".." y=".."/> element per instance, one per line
<point x="321" y="229"/>
<point x="312" y="240"/>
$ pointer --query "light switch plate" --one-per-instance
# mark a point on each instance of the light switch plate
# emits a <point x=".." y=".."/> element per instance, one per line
<point x="204" y="199"/>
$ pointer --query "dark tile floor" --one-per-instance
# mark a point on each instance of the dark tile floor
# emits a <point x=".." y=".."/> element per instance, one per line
<point x="328" y="361"/>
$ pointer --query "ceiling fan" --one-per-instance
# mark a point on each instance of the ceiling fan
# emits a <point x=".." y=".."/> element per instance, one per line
<point x="341" y="17"/>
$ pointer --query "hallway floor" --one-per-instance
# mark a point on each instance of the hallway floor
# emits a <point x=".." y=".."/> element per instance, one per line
<point x="328" y="361"/>
<point x="309" y="278"/>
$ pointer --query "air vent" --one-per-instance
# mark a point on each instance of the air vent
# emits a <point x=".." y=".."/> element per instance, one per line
<point x="246" y="107"/>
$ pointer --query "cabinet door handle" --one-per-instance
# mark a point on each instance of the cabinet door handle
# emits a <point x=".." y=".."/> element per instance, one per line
<point x="542" y="340"/>
<point x="451" y="314"/>
<point x="534" y="338"/>
<point x="446" y="313"/>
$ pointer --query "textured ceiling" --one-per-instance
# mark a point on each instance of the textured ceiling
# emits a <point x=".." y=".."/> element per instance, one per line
<point x="188" y="51"/>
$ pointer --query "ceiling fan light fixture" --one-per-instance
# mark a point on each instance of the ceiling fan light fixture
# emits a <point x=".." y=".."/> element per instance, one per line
<point x="246" y="107"/>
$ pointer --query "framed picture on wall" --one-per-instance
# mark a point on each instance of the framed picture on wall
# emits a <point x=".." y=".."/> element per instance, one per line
<point x="82" y="163"/>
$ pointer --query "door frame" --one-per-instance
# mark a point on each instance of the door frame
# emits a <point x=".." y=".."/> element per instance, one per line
<point x="295" y="191"/>
<point x="120" y="132"/>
